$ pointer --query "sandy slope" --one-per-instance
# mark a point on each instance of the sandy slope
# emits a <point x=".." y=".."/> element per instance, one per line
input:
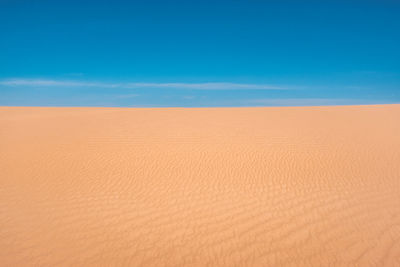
<point x="304" y="186"/>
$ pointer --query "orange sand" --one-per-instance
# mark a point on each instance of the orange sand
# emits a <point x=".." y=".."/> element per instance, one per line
<point x="299" y="186"/>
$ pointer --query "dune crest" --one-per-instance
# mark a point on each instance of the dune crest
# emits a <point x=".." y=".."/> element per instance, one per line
<point x="287" y="186"/>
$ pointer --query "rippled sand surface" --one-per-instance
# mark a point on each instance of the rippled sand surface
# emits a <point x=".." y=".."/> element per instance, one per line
<point x="298" y="186"/>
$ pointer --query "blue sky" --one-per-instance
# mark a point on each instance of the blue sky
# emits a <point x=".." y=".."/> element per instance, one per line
<point x="199" y="53"/>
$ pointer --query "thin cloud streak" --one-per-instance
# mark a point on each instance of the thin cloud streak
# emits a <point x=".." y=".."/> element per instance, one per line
<point x="54" y="83"/>
<point x="207" y="86"/>
<point x="191" y="86"/>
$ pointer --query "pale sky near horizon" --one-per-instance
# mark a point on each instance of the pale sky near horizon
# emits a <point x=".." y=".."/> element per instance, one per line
<point x="199" y="53"/>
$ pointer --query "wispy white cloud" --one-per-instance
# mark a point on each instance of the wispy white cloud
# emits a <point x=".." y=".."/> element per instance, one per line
<point x="54" y="83"/>
<point x="126" y="96"/>
<point x="207" y="86"/>
<point x="190" y="86"/>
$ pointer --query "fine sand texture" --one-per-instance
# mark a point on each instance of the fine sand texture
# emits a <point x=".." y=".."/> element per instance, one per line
<point x="285" y="186"/>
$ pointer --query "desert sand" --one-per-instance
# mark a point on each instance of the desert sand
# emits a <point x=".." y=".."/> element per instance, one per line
<point x="284" y="186"/>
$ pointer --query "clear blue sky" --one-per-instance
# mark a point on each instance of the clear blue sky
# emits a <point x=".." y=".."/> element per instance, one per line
<point x="199" y="53"/>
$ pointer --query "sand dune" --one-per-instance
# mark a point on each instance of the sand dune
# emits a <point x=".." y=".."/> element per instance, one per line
<point x="299" y="186"/>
